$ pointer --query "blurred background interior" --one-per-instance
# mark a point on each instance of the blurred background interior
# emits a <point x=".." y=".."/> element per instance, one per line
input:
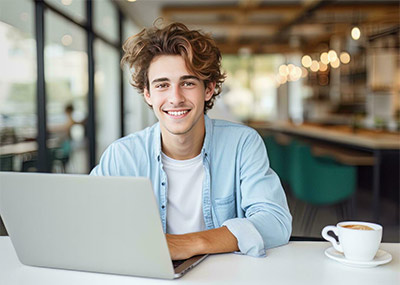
<point x="319" y="80"/>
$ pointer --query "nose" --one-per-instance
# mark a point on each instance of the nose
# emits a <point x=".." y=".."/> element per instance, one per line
<point x="176" y="97"/>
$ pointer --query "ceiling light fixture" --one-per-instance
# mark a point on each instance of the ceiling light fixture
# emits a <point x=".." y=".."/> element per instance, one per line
<point x="355" y="33"/>
<point x="314" y="66"/>
<point x="324" y="58"/>
<point x="332" y="55"/>
<point x="345" y="57"/>
<point x="336" y="63"/>
<point x="66" y="40"/>
<point x="306" y="61"/>
<point x="322" y="66"/>
<point x="283" y="70"/>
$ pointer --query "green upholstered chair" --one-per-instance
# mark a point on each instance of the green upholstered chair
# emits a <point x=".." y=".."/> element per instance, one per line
<point x="60" y="156"/>
<point x="57" y="159"/>
<point x="278" y="155"/>
<point x="320" y="181"/>
<point x="6" y="162"/>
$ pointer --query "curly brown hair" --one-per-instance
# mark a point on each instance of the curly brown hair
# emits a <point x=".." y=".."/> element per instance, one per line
<point x="201" y="55"/>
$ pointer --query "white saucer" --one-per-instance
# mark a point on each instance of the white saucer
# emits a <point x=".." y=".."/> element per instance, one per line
<point x="381" y="257"/>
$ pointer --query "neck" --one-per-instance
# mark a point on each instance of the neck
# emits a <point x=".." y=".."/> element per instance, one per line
<point x="183" y="146"/>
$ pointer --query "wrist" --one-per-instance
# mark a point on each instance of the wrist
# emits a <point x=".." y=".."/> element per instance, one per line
<point x="199" y="243"/>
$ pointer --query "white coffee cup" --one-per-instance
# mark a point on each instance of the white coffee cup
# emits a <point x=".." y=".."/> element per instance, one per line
<point x="355" y="244"/>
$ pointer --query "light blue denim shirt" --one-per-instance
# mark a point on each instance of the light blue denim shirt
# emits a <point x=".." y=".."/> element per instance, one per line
<point x="240" y="190"/>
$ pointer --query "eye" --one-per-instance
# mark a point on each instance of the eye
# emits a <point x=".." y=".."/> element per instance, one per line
<point x="161" y="85"/>
<point x="188" y="83"/>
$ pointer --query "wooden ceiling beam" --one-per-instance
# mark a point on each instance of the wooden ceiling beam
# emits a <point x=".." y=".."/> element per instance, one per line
<point x="249" y="3"/>
<point x="228" y="10"/>
<point x="361" y="7"/>
<point x="233" y="24"/>
<point x="267" y="9"/>
<point x="241" y="26"/>
<point x="256" y="48"/>
<point x="308" y="8"/>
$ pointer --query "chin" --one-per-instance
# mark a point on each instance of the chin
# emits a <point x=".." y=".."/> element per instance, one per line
<point x="178" y="132"/>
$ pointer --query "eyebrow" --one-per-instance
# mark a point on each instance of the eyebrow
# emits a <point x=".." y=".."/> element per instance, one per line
<point x="162" y="79"/>
<point x="166" y="79"/>
<point x="189" y="77"/>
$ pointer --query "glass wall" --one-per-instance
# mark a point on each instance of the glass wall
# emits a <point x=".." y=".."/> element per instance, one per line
<point x="17" y="84"/>
<point x="107" y="95"/>
<point x="75" y="9"/>
<point x="105" y="21"/>
<point x="66" y="77"/>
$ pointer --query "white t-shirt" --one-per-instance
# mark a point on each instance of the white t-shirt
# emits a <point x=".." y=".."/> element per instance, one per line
<point x="185" y="201"/>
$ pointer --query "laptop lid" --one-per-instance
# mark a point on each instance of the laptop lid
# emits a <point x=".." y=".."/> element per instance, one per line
<point x="89" y="223"/>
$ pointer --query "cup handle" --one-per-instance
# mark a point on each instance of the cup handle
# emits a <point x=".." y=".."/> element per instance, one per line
<point x="325" y="235"/>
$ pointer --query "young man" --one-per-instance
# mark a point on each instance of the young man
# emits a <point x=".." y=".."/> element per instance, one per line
<point x="211" y="178"/>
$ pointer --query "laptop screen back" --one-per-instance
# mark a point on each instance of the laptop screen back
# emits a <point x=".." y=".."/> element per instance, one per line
<point x="100" y="224"/>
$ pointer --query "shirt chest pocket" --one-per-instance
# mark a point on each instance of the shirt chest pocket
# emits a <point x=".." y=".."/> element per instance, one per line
<point x="225" y="208"/>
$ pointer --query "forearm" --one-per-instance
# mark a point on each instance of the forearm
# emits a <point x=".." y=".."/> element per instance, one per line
<point x="211" y="241"/>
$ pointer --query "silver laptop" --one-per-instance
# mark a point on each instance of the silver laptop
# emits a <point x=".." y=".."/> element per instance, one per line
<point x="88" y="223"/>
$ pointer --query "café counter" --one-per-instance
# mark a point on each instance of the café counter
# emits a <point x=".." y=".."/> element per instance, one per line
<point x="379" y="150"/>
<point x="346" y="135"/>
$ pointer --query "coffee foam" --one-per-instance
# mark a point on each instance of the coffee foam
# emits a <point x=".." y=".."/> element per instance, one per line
<point x="358" y="227"/>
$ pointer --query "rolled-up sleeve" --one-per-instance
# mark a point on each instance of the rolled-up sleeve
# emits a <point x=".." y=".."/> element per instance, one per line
<point x="250" y="241"/>
<point x="267" y="222"/>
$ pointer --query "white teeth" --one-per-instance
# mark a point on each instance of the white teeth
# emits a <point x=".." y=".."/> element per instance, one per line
<point x="177" y="113"/>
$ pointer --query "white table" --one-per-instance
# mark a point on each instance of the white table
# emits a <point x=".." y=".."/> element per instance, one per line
<point x="295" y="263"/>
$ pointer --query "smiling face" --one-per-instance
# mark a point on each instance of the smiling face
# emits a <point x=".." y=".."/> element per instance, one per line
<point x="177" y="96"/>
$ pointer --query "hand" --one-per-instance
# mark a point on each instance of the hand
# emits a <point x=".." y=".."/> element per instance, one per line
<point x="211" y="241"/>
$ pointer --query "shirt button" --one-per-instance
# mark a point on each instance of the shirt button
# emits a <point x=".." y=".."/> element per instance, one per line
<point x="162" y="207"/>
<point x="163" y="183"/>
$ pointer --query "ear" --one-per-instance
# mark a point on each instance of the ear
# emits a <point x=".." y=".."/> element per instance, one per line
<point x="147" y="96"/>
<point x="210" y="90"/>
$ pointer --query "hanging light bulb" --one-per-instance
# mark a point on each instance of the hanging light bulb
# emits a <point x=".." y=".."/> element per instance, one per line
<point x="322" y="66"/>
<point x="283" y="70"/>
<point x="295" y="73"/>
<point x="280" y="79"/>
<point x="66" y="40"/>
<point x="332" y="56"/>
<point x="355" y="33"/>
<point x="345" y="57"/>
<point x="306" y="61"/>
<point x="314" y="66"/>
<point x="324" y="58"/>
<point x="336" y="63"/>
